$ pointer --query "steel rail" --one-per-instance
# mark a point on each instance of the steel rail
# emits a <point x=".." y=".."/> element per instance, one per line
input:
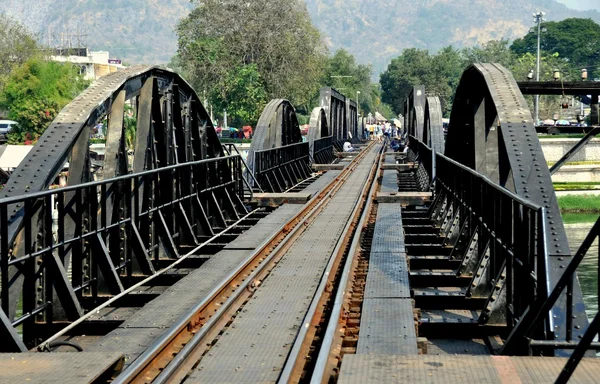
<point x="320" y="368"/>
<point x="43" y="346"/>
<point x="291" y="370"/>
<point x="275" y="246"/>
<point x="313" y="176"/>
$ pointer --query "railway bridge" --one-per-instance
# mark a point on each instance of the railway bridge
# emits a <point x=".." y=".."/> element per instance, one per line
<point x="174" y="259"/>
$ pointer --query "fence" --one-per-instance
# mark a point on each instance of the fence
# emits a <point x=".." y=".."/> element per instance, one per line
<point x="109" y="234"/>
<point x="279" y="169"/>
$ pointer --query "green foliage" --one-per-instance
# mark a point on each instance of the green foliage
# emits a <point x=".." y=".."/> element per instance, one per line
<point x="440" y="73"/>
<point x="34" y="94"/>
<point x="494" y="51"/>
<point x="130" y="125"/>
<point x="242" y="93"/>
<point x="575" y="40"/>
<point x="262" y="49"/>
<point x="343" y="73"/>
<point x="96" y="140"/>
<point x="17" y="45"/>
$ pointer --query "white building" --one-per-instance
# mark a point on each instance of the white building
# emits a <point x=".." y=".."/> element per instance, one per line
<point x="92" y="64"/>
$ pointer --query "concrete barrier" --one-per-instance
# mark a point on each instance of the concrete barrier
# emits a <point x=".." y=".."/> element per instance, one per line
<point x="554" y="149"/>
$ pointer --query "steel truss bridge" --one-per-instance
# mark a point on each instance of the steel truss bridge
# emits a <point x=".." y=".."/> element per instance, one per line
<point x="173" y="259"/>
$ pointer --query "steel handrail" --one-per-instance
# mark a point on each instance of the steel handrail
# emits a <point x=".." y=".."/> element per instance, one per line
<point x="116" y="179"/>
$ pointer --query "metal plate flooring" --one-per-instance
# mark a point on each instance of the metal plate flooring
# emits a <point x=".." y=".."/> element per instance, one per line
<point x="321" y="182"/>
<point x="389" y="181"/>
<point x="256" y="345"/>
<point x="138" y="332"/>
<point x="387" y="325"/>
<point x="79" y="368"/>
<point x="446" y="369"/>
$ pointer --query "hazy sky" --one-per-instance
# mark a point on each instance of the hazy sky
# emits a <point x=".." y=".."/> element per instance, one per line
<point x="582" y="4"/>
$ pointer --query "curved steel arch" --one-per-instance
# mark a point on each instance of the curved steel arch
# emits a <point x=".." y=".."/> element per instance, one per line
<point x="416" y="98"/>
<point x="277" y="127"/>
<point x="491" y="131"/>
<point x="320" y="140"/>
<point x="182" y="188"/>
<point x="433" y="127"/>
<point x="278" y="158"/>
<point x="351" y="132"/>
<point x="67" y="136"/>
<point x="318" y="125"/>
<point x="417" y="122"/>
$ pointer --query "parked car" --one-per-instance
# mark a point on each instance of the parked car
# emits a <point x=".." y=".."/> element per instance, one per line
<point x="5" y="127"/>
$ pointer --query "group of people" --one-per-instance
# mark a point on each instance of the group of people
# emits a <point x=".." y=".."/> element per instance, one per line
<point x="381" y="131"/>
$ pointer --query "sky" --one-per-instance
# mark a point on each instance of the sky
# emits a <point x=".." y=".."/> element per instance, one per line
<point x="582" y="5"/>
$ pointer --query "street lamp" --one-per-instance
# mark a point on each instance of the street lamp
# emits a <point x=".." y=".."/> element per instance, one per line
<point x="538" y="18"/>
<point x="357" y="104"/>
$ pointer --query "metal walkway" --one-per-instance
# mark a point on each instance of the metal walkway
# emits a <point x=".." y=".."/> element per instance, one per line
<point x="387" y="312"/>
<point x="359" y="369"/>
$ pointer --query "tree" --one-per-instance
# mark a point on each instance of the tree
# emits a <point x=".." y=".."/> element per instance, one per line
<point x="220" y="37"/>
<point x="343" y="73"/>
<point x="242" y="93"/>
<point x="576" y="40"/>
<point x="17" y="45"/>
<point x="35" y="92"/>
<point x="494" y="51"/>
<point x="439" y="74"/>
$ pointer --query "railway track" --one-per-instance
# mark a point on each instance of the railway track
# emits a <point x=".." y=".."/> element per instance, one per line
<point x="180" y="349"/>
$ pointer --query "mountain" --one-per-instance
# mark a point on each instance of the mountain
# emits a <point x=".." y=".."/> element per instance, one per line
<point x="137" y="31"/>
<point x="582" y="5"/>
<point x="375" y="31"/>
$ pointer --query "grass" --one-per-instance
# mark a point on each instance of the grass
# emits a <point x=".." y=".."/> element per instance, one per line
<point x="576" y="218"/>
<point x="562" y="136"/>
<point x="579" y="203"/>
<point x="576" y="185"/>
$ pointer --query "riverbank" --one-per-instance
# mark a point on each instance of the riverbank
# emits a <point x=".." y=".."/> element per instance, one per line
<point x="585" y="203"/>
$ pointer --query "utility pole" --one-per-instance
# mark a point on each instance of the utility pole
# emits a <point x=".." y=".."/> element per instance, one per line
<point x="538" y="18"/>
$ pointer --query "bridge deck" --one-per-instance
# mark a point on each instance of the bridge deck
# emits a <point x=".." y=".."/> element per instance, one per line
<point x="387" y="313"/>
<point x="256" y="345"/>
<point x="79" y="367"/>
<point x="461" y="369"/>
<point x="140" y="330"/>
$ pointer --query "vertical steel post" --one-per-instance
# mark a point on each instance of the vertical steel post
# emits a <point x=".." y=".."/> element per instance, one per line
<point x="538" y="17"/>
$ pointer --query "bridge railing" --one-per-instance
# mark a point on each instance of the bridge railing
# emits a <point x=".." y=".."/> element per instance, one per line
<point x="279" y="169"/>
<point x="231" y="149"/>
<point x="79" y="244"/>
<point x="500" y="232"/>
<point x="323" y="150"/>
<point x="538" y="312"/>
